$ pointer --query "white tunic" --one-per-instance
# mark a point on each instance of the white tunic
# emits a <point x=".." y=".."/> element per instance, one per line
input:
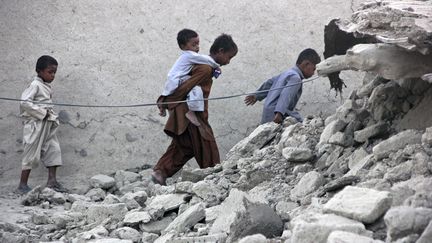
<point x="39" y="134"/>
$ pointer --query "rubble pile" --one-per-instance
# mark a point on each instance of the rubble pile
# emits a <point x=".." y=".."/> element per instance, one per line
<point x="356" y="176"/>
<point x="352" y="177"/>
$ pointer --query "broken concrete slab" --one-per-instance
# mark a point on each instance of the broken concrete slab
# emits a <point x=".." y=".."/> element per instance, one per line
<point x="156" y="227"/>
<point x="126" y="233"/>
<point x="362" y="204"/>
<point x="315" y="227"/>
<point x="396" y="142"/>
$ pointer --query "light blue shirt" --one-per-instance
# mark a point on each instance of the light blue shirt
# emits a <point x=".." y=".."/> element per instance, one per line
<point x="282" y="100"/>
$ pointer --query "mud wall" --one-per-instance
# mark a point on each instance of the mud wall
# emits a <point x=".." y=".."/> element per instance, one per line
<point x="113" y="52"/>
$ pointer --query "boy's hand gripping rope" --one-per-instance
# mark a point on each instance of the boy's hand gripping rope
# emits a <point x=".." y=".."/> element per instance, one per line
<point x="160" y="103"/>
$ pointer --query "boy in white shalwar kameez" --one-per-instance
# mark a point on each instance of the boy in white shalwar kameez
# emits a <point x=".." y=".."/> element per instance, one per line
<point x="188" y="41"/>
<point x="40" y="126"/>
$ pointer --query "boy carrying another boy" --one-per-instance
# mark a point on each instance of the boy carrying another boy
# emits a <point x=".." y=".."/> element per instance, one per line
<point x="188" y="41"/>
<point x="40" y="126"/>
<point x="281" y="102"/>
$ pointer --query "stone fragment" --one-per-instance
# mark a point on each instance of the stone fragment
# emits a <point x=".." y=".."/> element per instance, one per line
<point x="184" y="187"/>
<point x="96" y="194"/>
<point x="133" y="218"/>
<point x="402" y="221"/>
<point x="195" y="175"/>
<point x="360" y="165"/>
<point x="330" y="129"/>
<point x="427" y="136"/>
<point x="295" y="154"/>
<point x="95" y="233"/>
<point x="148" y="237"/>
<point x="127" y="233"/>
<point x="396" y="142"/>
<point x="109" y="240"/>
<point x="111" y="199"/>
<point x="362" y="204"/>
<point x="307" y="184"/>
<point x="98" y="212"/>
<point x="426" y="236"/>
<point x="340" y="183"/>
<point x="256" y="140"/>
<point x="341" y="139"/>
<point x="102" y="181"/>
<point x="315" y="228"/>
<point x="187" y="219"/>
<point x="375" y="130"/>
<point x="139" y="198"/>
<point x="240" y="216"/>
<point x="168" y="201"/>
<point x="348" y="237"/>
<point x="156" y="227"/>
<point x="256" y="238"/>
<point x="123" y="177"/>
<point x="283" y="209"/>
<point x="221" y="237"/>
<point x="209" y="192"/>
<point x="356" y="157"/>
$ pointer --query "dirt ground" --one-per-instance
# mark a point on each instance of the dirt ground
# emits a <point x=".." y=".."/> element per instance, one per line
<point x="118" y="52"/>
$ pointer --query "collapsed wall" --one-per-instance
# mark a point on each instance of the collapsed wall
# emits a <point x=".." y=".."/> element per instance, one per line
<point x="363" y="174"/>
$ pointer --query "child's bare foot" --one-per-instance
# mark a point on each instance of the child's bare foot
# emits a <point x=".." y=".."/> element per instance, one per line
<point x="191" y="116"/>
<point x="162" y="112"/>
<point x="23" y="189"/>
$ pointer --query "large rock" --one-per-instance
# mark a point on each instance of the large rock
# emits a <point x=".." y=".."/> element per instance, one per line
<point x="98" y="212"/>
<point x="360" y="165"/>
<point x="307" y="184"/>
<point x="240" y="216"/>
<point x="427" y="136"/>
<point x="123" y="177"/>
<point x="127" y="233"/>
<point x="156" y="227"/>
<point x="362" y="204"/>
<point x="256" y="140"/>
<point x="402" y="221"/>
<point x="315" y="228"/>
<point x="187" y="219"/>
<point x="348" y="237"/>
<point x="294" y="154"/>
<point x="396" y="142"/>
<point x="102" y="181"/>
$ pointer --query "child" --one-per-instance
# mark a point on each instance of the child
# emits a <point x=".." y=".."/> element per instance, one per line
<point x="40" y="126"/>
<point x="280" y="103"/>
<point x="188" y="42"/>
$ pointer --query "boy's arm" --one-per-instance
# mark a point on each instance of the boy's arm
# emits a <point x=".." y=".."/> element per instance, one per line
<point x="260" y="94"/>
<point x="200" y="73"/>
<point x="195" y="58"/>
<point x="28" y="106"/>
<point x="288" y="94"/>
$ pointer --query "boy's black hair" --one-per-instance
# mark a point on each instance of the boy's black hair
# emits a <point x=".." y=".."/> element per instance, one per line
<point x="225" y="42"/>
<point x="308" y="55"/>
<point x="184" y="36"/>
<point x="44" y="61"/>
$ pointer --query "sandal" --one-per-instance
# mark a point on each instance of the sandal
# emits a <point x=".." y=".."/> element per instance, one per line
<point x="22" y="190"/>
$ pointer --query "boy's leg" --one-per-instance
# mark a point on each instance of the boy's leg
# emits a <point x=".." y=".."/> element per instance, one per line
<point x="191" y="116"/>
<point x="23" y="186"/>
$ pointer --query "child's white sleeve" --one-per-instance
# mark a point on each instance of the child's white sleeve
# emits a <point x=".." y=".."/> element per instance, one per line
<point x="28" y="106"/>
<point x="195" y="58"/>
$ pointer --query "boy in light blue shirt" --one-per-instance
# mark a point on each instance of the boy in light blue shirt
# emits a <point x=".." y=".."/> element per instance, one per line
<point x="281" y="102"/>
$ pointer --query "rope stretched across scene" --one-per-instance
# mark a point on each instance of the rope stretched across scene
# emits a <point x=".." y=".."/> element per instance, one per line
<point x="160" y="103"/>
